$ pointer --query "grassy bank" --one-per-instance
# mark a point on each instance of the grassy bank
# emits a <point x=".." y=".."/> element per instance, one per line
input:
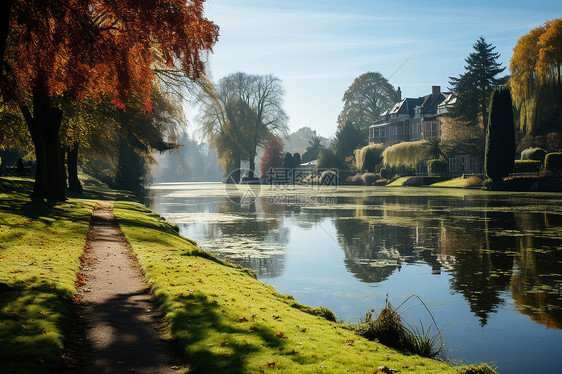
<point x="40" y="249"/>
<point x="222" y="318"/>
<point x="226" y="321"/>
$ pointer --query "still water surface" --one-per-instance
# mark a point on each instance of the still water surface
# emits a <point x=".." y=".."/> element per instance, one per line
<point x="488" y="265"/>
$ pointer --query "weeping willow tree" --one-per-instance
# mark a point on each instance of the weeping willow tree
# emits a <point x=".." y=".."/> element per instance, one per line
<point x="368" y="157"/>
<point x="535" y="82"/>
<point x="239" y="114"/>
<point x="408" y="154"/>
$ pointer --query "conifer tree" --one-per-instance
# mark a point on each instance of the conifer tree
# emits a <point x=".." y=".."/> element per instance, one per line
<point x="474" y="87"/>
<point x="500" y="136"/>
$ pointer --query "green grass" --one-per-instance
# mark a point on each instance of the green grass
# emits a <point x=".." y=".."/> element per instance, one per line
<point x="459" y="182"/>
<point x="226" y="321"/>
<point x="398" y="182"/>
<point x="40" y="249"/>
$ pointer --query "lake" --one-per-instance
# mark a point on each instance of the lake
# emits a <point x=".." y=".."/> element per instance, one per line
<point x="487" y="265"/>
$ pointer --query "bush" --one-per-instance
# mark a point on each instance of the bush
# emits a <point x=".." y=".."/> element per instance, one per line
<point x="527" y="166"/>
<point x="381" y="182"/>
<point x="369" y="178"/>
<point x="386" y="173"/>
<point x="533" y="154"/>
<point x="437" y="167"/>
<point x="354" y="179"/>
<point x="553" y="161"/>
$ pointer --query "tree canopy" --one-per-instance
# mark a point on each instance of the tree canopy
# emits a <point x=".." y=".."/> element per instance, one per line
<point x="474" y="87"/>
<point x="76" y="49"/>
<point x="535" y="78"/>
<point x="368" y="96"/>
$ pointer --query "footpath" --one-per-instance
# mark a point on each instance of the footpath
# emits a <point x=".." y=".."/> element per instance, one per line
<point x="118" y="320"/>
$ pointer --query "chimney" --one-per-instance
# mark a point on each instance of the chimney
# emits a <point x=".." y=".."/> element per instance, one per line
<point x="435" y="90"/>
<point x="399" y="94"/>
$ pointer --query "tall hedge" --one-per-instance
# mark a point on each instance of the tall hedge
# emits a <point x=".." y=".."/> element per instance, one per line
<point x="500" y="136"/>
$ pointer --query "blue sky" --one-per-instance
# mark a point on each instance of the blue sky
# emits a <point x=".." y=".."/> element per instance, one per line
<point x="317" y="48"/>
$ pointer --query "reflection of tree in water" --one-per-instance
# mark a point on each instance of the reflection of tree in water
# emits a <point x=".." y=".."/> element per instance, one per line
<point x="255" y="240"/>
<point x="382" y="234"/>
<point x="536" y="287"/>
<point x="483" y="260"/>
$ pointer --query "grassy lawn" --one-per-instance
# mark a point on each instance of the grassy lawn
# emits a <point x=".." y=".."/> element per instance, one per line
<point x="228" y="322"/>
<point x="40" y="249"/>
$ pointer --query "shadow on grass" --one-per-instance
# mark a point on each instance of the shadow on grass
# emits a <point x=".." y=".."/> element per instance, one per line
<point x="32" y="317"/>
<point x="214" y="341"/>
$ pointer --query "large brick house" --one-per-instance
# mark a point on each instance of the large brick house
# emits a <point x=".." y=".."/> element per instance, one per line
<point x="411" y="119"/>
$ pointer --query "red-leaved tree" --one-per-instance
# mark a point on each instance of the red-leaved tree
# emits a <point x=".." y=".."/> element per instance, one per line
<point x="55" y="50"/>
<point x="273" y="155"/>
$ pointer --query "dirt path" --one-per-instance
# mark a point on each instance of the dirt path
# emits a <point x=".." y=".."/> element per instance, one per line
<point x="117" y="316"/>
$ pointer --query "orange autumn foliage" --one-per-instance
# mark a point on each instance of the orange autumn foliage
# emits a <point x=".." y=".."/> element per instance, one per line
<point x="89" y="48"/>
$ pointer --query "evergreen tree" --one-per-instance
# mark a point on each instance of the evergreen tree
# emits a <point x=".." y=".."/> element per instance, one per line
<point x="474" y="87"/>
<point x="348" y="138"/>
<point x="313" y="149"/>
<point x="500" y="136"/>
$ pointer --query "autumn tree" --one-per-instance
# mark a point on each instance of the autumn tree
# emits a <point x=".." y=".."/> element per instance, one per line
<point x="535" y="79"/>
<point x="77" y="49"/>
<point x="273" y="155"/>
<point x="364" y="101"/>
<point x="474" y="87"/>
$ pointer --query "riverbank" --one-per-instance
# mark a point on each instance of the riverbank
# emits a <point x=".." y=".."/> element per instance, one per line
<point x="220" y="316"/>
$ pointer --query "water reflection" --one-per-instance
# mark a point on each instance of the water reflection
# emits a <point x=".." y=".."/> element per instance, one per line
<point x="500" y="253"/>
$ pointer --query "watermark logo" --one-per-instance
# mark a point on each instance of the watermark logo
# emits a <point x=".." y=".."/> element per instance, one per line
<point x="242" y="187"/>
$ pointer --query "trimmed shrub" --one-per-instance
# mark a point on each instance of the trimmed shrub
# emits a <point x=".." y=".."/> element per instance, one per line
<point x="437" y="166"/>
<point x="533" y="154"/>
<point x="500" y="136"/>
<point x="527" y="166"/>
<point x="553" y="161"/>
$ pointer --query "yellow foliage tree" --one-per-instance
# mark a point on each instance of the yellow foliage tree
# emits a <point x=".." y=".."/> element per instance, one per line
<point x="535" y="75"/>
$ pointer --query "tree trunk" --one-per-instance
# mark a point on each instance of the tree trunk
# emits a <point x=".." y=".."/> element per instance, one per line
<point x="251" y="174"/>
<point x="44" y="127"/>
<point x="72" y="162"/>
